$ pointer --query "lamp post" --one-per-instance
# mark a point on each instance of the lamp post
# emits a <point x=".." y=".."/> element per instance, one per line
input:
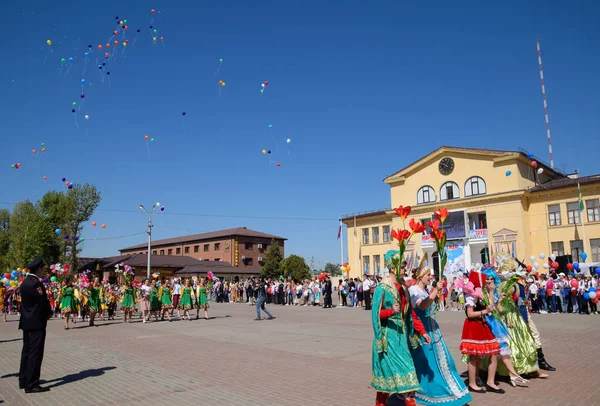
<point x="149" y="232"/>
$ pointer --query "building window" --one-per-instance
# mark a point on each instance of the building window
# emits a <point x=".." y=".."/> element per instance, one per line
<point x="449" y="191"/>
<point x="248" y="245"/>
<point x="558" y="248"/>
<point x="377" y="264"/>
<point x="375" y="232"/>
<point x="170" y="251"/>
<point x="426" y="195"/>
<point x="248" y="261"/>
<point x="386" y="234"/>
<point x="217" y="259"/>
<point x="365" y="233"/>
<point x="573" y="212"/>
<point x="593" y="210"/>
<point x="206" y="247"/>
<point x="576" y="249"/>
<point x="196" y="248"/>
<point x="178" y="251"/>
<point x="554" y="214"/>
<point x="217" y="246"/>
<point x="186" y="250"/>
<point x="154" y="252"/>
<point x="366" y="262"/>
<point x="475" y="186"/>
<point x="485" y="256"/>
<point x="162" y="252"/>
<point x="595" y="246"/>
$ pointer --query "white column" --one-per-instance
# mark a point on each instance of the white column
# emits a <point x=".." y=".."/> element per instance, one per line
<point x="468" y="257"/>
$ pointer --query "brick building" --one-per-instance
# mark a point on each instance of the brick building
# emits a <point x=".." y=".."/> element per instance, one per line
<point x="240" y="247"/>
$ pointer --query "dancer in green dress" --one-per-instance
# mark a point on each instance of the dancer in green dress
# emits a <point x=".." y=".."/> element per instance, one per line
<point x="67" y="302"/>
<point x="154" y="302"/>
<point x="128" y="302"/>
<point x="164" y="294"/>
<point x="394" y="326"/>
<point x="94" y="301"/>
<point x="201" y="299"/>
<point x="186" y="302"/>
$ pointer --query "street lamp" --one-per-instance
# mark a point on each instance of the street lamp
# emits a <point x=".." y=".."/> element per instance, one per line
<point x="149" y="232"/>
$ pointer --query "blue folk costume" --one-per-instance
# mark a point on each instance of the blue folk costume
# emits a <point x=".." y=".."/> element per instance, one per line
<point x="439" y="380"/>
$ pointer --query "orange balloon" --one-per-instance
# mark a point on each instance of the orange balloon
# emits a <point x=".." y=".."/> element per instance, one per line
<point x="146" y="137"/>
<point x="115" y="32"/>
<point x="116" y="42"/>
<point x="108" y="45"/>
<point x="43" y="149"/>
<point x="67" y="183"/>
<point x="99" y="46"/>
<point x="94" y="223"/>
<point x="103" y="225"/>
<point x="125" y="27"/>
<point x="34" y="151"/>
<point x="106" y="54"/>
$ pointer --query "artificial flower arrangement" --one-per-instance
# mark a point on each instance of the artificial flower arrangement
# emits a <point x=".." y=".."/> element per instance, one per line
<point x="126" y="271"/>
<point x="59" y="272"/>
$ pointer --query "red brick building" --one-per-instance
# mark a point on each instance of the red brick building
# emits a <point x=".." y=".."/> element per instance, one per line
<point x="240" y="247"/>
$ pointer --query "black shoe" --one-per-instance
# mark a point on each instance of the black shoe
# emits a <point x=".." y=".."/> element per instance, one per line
<point x="271" y="318"/>
<point x="36" y="389"/>
<point x="476" y="390"/>
<point x="545" y="366"/>
<point x="490" y="389"/>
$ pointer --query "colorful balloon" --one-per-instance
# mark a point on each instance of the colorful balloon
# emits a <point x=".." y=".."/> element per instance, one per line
<point x="86" y="117"/>
<point x="533" y="163"/>
<point x="146" y="137"/>
<point x="508" y="173"/>
<point x="278" y="164"/>
<point x="49" y="42"/>
<point x="57" y="231"/>
<point x="162" y="208"/>
<point x="45" y="178"/>
<point x="103" y="225"/>
<point x="264" y="151"/>
<point x="288" y="140"/>
<point x="93" y="224"/>
<point x="153" y="11"/>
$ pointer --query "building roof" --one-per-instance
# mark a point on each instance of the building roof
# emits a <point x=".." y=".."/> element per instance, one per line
<point x="230" y="232"/>
<point x="141" y="260"/>
<point x="371" y="213"/>
<point x="217" y="267"/>
<point x="475" y="151"/>
<point x="565" y="183"/>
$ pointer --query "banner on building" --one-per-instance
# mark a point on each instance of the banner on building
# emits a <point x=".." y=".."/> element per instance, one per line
<point x="455" y="251"/>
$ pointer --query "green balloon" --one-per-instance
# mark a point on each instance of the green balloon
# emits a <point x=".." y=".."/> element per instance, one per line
<point x="221" y="60"/>
<point x="151" y="139"/>
<point x="125" y="21"/>
<point x="62" y="60"/>
<point x="43" y="144"/>
<point x="12" y="166"/>
<point x="81" y="240"/>
<point x="53" y="279"/>
<point x="155" y="30"/>
<point x="74" y="104"/>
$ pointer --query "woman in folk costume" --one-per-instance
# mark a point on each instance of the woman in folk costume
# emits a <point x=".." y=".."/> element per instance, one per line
<point x="128" y="301"/>
<point x="477" y="340"/>
<point x="154" y="301"/>
<point x="201" y="299"/>
<point x="95" y="300"/>
<point x="439" y="380"/>
<point x="394" y="324"/>
<point x="498" y="326"/>
<point x="186" y="302"/>
<point x="67" y="302"/>
<point x="166" y="304"/>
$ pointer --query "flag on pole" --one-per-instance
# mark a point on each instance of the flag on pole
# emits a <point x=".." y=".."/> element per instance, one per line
<point x="340" y="231"/>
<point x="580" y="196"/>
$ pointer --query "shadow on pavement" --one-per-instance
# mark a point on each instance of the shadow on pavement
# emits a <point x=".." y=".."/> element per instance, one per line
<point x="11" y="340"/>
<point x="79" y="376"/>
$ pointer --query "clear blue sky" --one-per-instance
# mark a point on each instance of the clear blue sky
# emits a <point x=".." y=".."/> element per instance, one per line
<point x="361" y="88"/>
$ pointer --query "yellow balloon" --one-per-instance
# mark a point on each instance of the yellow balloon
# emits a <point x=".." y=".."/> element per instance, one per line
<point x="223" y="84"/>
<point x="124" y="44"/>
<point x="49" y="42"/>
<point x="154" y="38"/>
<point x="264" y="151"/>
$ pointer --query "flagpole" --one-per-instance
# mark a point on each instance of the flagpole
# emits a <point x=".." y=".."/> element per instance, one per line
<point x="581" y="211"/>
<point x="342" y="246"/>
<point x="356" y="247"/>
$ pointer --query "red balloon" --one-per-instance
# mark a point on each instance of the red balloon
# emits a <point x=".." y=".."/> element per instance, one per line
<point x="529" y="268"/>
<point x="555" y="265"/>
<point x="570" y="267"/>
<point x="153" y="11"/>
<point x="595" y="300"/>
<point x="278" y="164"/>
<point x="267" y="83"/>
<point x="533" y="163"/>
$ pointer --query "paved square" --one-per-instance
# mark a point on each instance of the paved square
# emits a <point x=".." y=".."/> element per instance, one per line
<point x="307" y="355"/>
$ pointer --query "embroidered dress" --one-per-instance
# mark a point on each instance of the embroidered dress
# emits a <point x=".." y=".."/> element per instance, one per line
<point x="165" y="298"/>
<point x="202" y="300"/>
<point x="94" y="300"/>
<point x="477" y="338"/>
<point x="128" y="302"/>
<point x="154" y="303"/>
<point x="185" y="302"/>
<point x="67" y="303"/>
<point x="439" y="380"/>
<point x="393" y="367"/>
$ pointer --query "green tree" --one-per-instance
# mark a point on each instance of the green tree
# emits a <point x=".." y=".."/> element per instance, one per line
<point x="272" y="263"/>
<point x="4" y="239"/>
<point x="296" y="267"/>
<point x="332" y="269"/>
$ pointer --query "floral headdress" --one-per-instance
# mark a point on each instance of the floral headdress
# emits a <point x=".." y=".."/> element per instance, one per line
<point x="126" y="270"/>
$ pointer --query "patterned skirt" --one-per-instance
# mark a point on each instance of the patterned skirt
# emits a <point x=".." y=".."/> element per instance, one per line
<point x="477" y="339"/>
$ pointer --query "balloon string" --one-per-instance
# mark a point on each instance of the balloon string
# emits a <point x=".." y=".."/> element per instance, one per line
<point x="84" y="66"/>
<point x="220" y="63"/>
<point x="148" y="146"/>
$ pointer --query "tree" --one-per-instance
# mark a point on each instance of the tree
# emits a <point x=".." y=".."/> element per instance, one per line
<point x="272" y="263"/>
<point x="332" y="269"/>
<point x="4" y="239"/>
<point x="296" y="267"/>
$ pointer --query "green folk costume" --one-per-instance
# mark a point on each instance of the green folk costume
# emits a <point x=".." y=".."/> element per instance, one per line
<point x="201" y="295"/>
<point x="185" y="302"/>
<point x="94" y="300"/>
<point x="393" y="367"/>
<point x="165" y="298"/>
<point x="128" y="302"/>
<point x="67" y="303"/>
<point x="154" y="302"/>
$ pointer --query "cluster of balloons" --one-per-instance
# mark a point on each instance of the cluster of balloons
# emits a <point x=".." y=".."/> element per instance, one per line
<point x="222" y="83"/>
<point x="16" y="166"/>
<point x="34" y="151"/>
<point x="68" y="184"/>
<point x="148" y="138"/>
<point x="12" y="279"/>
<point x="345" y="268"/>
<point x="94" y="224"/>
<point x="263" y="86"/>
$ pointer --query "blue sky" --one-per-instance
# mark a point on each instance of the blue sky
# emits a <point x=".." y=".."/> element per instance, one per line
<point x="361" y="89"/>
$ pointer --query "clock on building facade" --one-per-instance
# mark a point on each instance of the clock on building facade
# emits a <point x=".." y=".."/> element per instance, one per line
<point x="446" y="166"/>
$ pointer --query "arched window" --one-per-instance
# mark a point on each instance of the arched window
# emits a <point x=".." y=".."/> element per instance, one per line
<point x="475" y="186"/>
<point x="426" y="195"/>
<point x="449" y="191"/>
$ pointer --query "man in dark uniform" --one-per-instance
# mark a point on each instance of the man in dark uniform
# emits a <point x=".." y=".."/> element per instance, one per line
<point x="35" y="312"/>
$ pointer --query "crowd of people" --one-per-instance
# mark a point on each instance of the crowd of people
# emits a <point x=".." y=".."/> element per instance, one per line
<point x="410" y="358"/>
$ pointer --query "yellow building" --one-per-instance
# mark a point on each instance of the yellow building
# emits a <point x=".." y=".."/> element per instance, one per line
<point x="498" y="202"/>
